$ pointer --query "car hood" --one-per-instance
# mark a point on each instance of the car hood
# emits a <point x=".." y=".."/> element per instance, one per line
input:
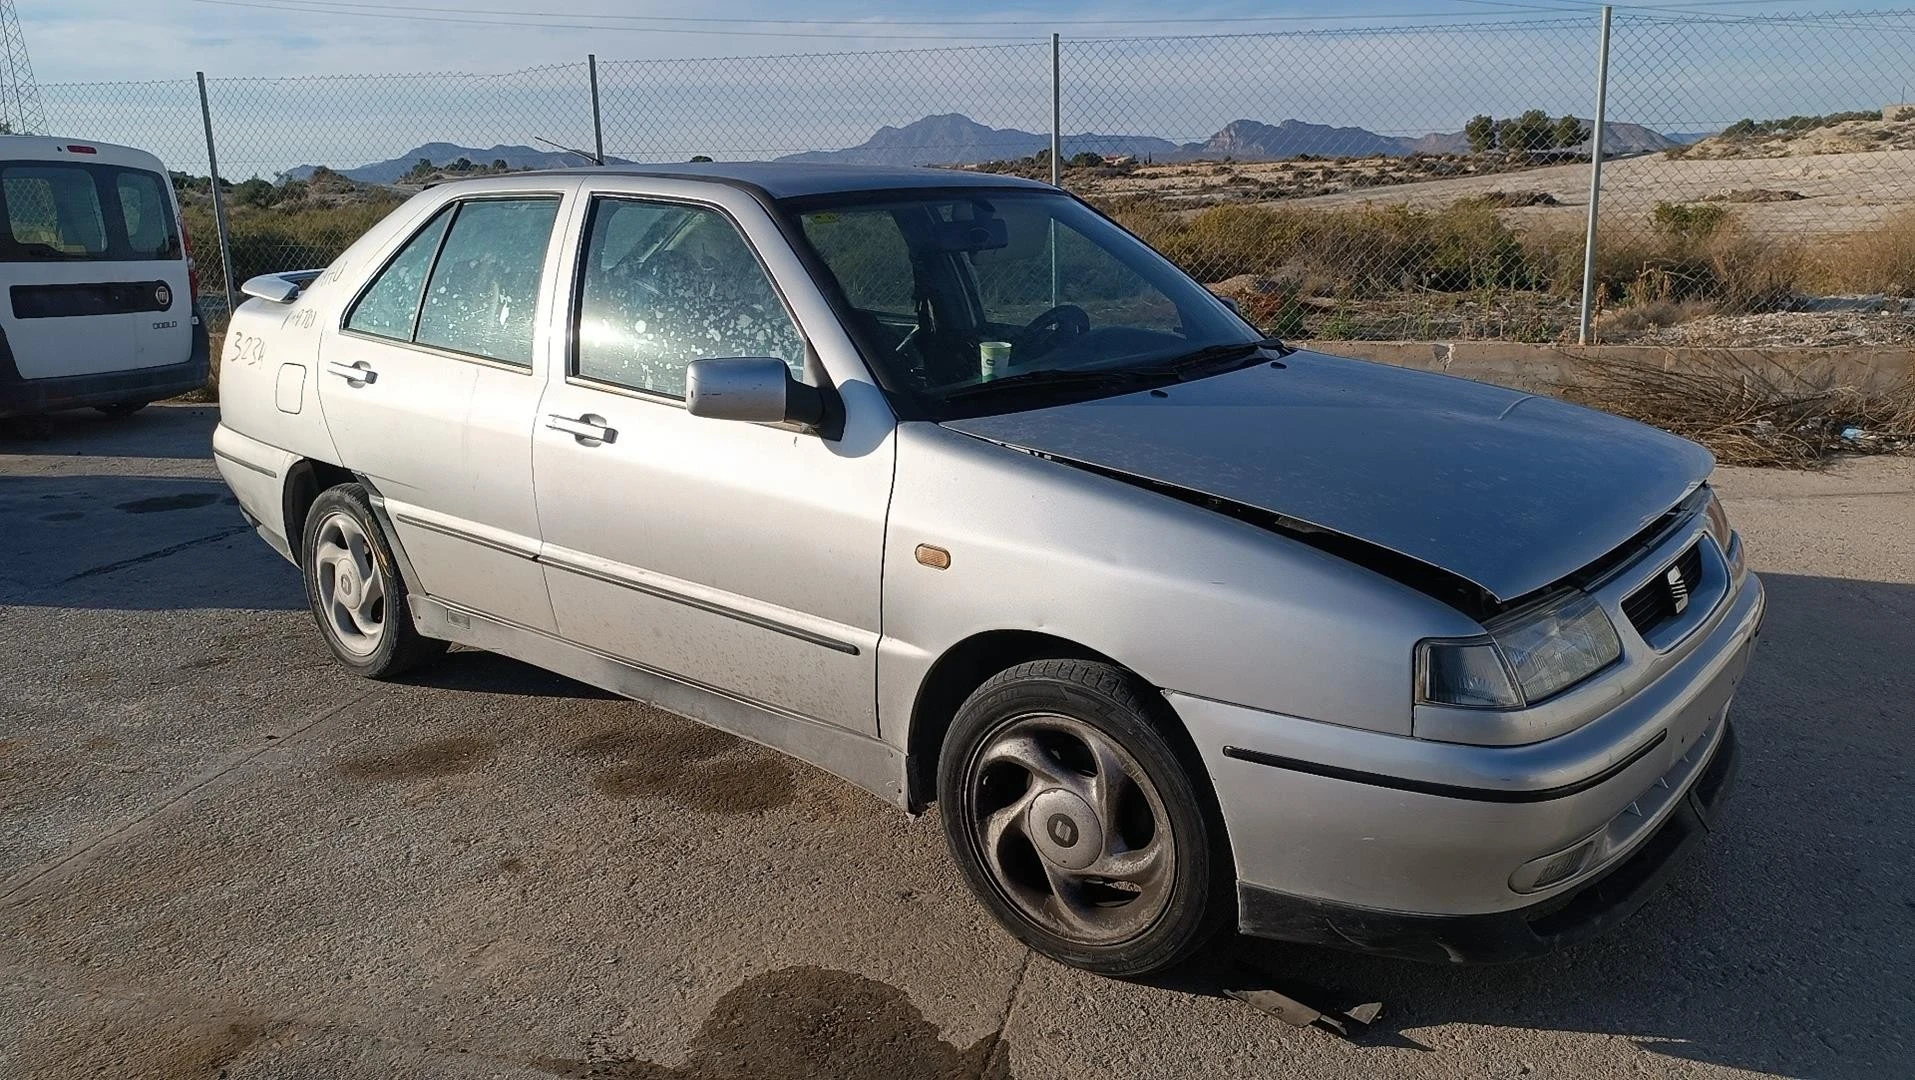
<point x="1508" y="490"/>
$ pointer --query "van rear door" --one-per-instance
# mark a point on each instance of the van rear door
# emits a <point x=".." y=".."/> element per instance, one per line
<point x="93" y="275"/>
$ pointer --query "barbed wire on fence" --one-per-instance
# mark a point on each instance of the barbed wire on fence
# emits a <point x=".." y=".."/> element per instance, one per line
<point x="1392" y="182"/>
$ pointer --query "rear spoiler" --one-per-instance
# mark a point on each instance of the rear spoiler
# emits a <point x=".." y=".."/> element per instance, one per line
<point x="280" y="288"/>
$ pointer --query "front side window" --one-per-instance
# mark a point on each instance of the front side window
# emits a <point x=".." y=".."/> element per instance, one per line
<point x="954" y="292"/>
<point x="665" y="284"/>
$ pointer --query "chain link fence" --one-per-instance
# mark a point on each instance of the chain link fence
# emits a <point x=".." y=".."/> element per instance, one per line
<point x="1384" y="183"/>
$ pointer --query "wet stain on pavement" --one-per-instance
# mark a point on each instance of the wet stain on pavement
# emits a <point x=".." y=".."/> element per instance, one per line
<point x="719" y="787"/>
<point x="443" y="757"/>
<point x="102" y="742"/>
<point x="798" y="1023"/>
<point x="692" y="742"/>
<point x="63" y="515"/>
<point x="156" y="504"/>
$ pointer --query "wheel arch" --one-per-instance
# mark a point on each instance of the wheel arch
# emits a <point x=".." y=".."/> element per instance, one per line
<point x="305" y="479"/>
<point x="954" y="675"/>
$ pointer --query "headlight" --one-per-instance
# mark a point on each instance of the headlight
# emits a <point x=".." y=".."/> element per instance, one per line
<point x="1524" y="659"/>
<point x="1726" y="538"/>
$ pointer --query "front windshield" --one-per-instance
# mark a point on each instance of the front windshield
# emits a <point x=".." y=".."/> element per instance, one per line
<point x="950" y="291"/>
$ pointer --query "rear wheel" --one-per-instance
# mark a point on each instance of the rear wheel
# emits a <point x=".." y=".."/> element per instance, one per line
<point x="1080" y="823"/>
<point x="354" y="589"/>
<point x="120" y="410"/>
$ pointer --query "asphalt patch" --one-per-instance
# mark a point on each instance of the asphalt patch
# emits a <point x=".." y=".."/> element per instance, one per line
<point x="63" y="515"/>
<point x="159" y="504"/>
<point x="799" y="1023"/>
<point x="442" y="757"/>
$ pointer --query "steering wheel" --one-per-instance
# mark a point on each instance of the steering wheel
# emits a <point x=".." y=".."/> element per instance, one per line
<point x="1050" y="329"/>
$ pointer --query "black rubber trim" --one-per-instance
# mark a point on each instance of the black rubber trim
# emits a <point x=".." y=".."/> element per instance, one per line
<point x="461" y="534"/>
<point x="1448" y="791"/>
<point x="746" y="617"/>
<point x="244" y="464"/>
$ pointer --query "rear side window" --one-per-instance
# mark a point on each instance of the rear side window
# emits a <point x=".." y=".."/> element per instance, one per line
<point x="390" y="307"/>
<point x="485" y="285"/>
<point x="56" y="211"/>
<point x="467" y="282"/>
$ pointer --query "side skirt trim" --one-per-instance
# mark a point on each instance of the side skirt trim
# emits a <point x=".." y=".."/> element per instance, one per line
<point x="867" y="762"/>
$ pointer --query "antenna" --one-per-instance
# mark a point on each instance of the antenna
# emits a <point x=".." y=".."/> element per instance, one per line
<point x="20" y="110"/>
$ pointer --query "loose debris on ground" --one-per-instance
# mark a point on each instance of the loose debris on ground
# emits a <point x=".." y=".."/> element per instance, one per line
<point x="1751" y="413"/>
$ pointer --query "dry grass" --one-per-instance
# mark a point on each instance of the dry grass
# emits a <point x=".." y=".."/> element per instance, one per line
<point x="1880" y="260"/>
<point x="1749" y="413"/>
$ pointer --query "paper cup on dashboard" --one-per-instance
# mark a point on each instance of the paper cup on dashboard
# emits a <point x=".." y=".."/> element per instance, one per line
<point x="993" y="358"/>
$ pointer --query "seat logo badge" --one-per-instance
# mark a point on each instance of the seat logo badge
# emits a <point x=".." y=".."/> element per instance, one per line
<point x="1678" y="589"/>
<point x="1063" y="830"/>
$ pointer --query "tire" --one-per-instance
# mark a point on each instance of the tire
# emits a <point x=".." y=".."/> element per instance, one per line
<point x="354" y="588"/>
<point x="120" y="410"/>
<point x="1086" y="826"/>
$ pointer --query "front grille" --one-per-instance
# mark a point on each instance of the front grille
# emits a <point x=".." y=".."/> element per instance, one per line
<point x="1667" y="595"/>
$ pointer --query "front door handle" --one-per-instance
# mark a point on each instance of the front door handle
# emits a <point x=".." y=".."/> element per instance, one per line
<point x="589" y="430"/>
<point x="358" y="373"/>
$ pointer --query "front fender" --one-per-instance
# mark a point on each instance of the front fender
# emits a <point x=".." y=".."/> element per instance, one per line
<point x="1192" y="601"/>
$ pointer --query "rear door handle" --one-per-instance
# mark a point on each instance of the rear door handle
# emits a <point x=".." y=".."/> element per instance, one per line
<point x="589" y="430"/>
<point x="359" y="372"/>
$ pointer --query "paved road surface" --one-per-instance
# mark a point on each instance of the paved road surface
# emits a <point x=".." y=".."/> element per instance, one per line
<point x="221" y="856"/>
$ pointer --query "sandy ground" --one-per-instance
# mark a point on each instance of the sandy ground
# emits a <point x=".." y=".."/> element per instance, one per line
<point x="220" y="856"/>
<point x="1842" y="192"/>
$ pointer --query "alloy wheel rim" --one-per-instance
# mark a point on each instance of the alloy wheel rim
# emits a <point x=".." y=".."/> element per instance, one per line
<point x="352" y="591"/>
<point x="1071" y="829"/>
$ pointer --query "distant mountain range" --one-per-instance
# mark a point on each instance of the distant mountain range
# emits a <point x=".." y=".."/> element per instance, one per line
<point x="954" y="139"/>
<point x="439" y="153"/>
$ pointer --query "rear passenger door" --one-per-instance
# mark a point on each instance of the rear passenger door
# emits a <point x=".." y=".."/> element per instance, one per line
<point x="430" y="383"/>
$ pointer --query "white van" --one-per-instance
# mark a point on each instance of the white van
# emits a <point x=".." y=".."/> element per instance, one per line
<point x="96" y="288"/>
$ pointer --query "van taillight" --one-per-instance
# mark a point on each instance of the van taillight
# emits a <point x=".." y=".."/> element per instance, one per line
<point x="76" y="148"/>
<point x="192" y="268"/>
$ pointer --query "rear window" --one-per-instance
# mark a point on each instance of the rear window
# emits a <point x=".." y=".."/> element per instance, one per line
<point x="72" y="212"/>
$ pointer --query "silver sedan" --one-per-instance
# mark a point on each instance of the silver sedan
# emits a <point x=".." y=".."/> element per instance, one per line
<point x="943" y="482"/>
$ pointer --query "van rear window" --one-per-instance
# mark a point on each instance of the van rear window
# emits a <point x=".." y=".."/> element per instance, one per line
<point x="71" y="212"/>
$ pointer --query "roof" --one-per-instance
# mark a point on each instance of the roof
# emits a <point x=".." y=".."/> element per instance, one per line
<point x="54" y="148"/>
<point x="792" y="179"/>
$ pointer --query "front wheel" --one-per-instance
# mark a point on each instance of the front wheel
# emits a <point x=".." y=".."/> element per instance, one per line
<point x="355" y="592"/>
<point x="1079" y="823"/>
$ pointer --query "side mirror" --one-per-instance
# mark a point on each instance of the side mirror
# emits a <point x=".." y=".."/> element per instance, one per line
<point x="755" y="389"/>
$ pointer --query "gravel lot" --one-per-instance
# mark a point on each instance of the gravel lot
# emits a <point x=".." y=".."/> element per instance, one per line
<point x="221" y="856"/>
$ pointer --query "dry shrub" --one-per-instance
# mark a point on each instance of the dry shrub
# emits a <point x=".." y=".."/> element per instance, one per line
<point x="1624" y="324"/>
<point x="1356" y="251"/>
<point x="1748" y="413"/>
<point x="1879" y="260"/>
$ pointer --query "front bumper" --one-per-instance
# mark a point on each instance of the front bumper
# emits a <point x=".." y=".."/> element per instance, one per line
<point x="1586" y="911"/>
<point x="1412" y="847"/>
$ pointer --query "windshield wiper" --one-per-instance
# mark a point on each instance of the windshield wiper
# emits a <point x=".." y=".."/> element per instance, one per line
<point x="1215" y="359"/>
<point x="1045" y="378"/>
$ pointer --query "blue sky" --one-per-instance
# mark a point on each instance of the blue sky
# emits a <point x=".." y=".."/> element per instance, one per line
<point x="1399" y="67"/>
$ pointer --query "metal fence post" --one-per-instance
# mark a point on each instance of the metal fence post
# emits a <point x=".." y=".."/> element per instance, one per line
<point x="1057" y="152"/>
<point x="1057" y="114"/>
<point x="219" y="204"/>
<point x="1595" y="181"/>
<point x="598" y="129"/>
